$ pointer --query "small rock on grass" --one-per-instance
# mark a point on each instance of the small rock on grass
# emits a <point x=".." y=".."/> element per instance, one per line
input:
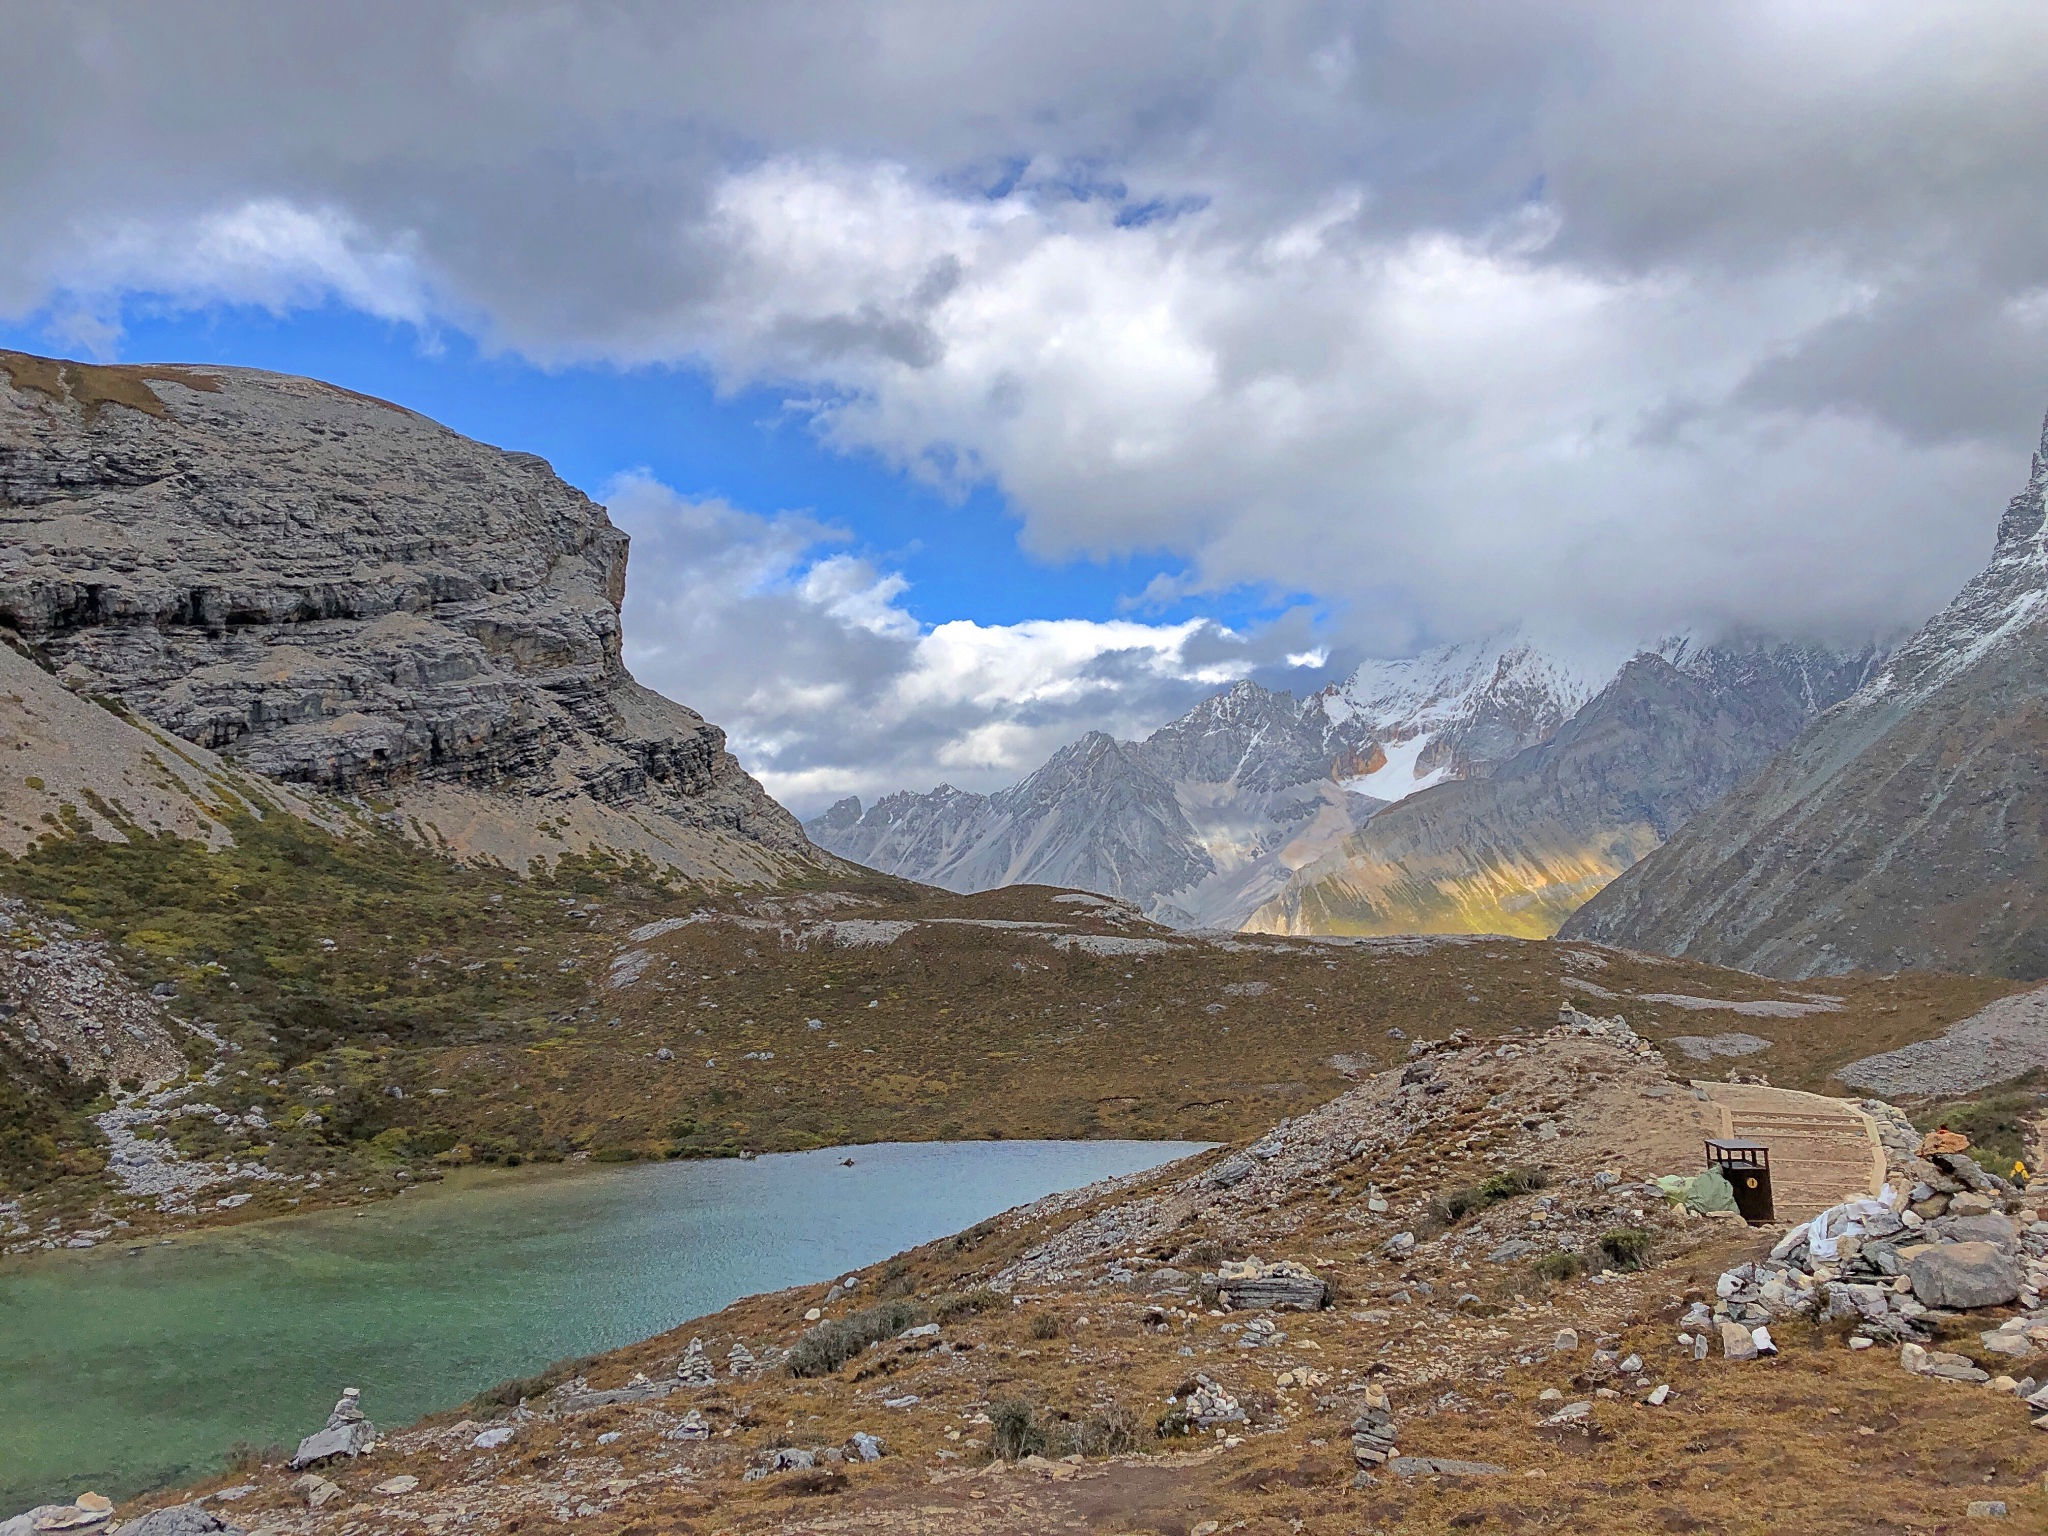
<point x="182" y="1520"/>
<point x="1660" y="1397"/>
<point x="1986" y="1509"/>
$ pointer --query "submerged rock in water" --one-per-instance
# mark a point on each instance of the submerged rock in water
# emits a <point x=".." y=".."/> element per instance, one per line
<point x="346" y="1433"/>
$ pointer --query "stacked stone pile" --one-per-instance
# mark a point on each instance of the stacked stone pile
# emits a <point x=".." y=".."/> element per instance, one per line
<point x="1373" y="1438"/>
<point x="346" y="1433"/>
<point x="1943" y="1237"/>
<point x="1614" y="1031"/>
<point x="696" y="1369"/>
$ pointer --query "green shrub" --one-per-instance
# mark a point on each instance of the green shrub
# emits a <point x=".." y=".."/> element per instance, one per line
<point x="1995" y="1123"/>
<point x="1558" y="1267"/>
<point x="1111" y="1431"/>
<point x="966" y="1303"/>
<point x="895" y="1279"/>
<point x="1452" y="1208"/>
<point x="616" y="1155"/>
<point x="825" y="1348"/>
<point x="1625" y="1248"/>
<point x="1014" y="1431"/>
<point x="1045" y="1325"/>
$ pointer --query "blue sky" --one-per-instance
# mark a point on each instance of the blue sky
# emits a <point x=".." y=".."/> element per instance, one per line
<point x="750" y="446"/>
<point x="951" y="555"/>
<point x="913" y="342"/>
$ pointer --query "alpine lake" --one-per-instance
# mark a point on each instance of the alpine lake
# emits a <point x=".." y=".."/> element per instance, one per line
<point x="135" y="1366"/>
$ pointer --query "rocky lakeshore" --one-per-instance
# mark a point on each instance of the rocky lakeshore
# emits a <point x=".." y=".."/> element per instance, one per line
<point x="1455" y="1290"/>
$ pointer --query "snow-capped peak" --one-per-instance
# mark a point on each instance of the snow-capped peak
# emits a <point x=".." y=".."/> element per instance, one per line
<point x="1457" y="710"/>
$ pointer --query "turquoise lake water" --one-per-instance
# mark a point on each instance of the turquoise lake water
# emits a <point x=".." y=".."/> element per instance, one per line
<point x="125" y="1370"/>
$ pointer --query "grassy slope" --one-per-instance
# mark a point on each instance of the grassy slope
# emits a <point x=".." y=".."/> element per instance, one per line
<point x="347" y="968"/>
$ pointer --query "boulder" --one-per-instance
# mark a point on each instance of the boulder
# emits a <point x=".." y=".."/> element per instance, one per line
<point x="1991" y="1227"/>
<point x="1737" y="1342"/>
<point x="315" y="1490"/>
<point x="346" y="1433"/>
<point x="1285" y="1286"/>
<point x="1232" y="1171"/>
<point x="1959" y="1276"/>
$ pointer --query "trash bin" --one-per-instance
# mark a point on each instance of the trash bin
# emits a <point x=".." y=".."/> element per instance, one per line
<point x="1746" y="1165"/>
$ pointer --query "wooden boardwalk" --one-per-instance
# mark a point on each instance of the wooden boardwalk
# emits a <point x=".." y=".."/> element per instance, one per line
<point x="1823" y="1151"/>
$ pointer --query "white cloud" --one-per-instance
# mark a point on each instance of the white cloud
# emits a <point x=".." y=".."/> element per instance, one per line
<point x="828" y="687"/>
<point x="1629" y="316"/>
<point x="265" y="251"/>
<point x="1455" y="424"/>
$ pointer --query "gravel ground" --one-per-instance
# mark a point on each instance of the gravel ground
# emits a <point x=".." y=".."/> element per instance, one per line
<point x="1991" y="1046"/>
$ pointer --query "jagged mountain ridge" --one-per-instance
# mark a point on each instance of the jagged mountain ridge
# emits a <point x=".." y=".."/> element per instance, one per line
<point x="1518" y="851"/>
<point x="340" y="594"/>
<point x="1197" y="805"/>
<point x="1211" y="820"/>
<point x="1902" y="829"/>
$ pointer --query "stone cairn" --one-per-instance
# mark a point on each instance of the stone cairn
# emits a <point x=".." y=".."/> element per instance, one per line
<point x="346" y="1433"/>
<point x="696" y="1369"/>
<point x="740" y="1361"/>
<point x="1372" y="1432"/>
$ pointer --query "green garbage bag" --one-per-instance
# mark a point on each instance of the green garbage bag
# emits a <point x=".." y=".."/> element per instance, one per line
<point x="1711" y="1191"/>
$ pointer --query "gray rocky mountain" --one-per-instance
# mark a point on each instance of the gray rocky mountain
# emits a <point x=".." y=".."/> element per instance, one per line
<point x="1259" y="809"/>
<point x="1904" y="828"/>
<point x="340" y="594"/>
<point x="1518" y="851"/>
<point x="1191" y="823"/>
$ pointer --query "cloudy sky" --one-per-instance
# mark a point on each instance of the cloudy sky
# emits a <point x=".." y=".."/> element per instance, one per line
<point x="972" y="374"/>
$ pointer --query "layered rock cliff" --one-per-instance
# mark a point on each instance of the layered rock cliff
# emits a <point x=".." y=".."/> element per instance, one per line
<point x="1908" y="827"/>
<point x="341" y="594"/>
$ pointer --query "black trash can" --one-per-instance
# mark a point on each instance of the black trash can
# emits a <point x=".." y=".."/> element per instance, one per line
<point x="1746" y="1165"/>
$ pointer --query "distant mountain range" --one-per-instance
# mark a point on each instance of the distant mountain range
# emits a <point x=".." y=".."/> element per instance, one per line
<point x="1905" y="828"/>
<point x="1523" y="776"/>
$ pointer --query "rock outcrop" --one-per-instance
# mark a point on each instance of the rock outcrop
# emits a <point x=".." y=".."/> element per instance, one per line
<point x="1906" y="828"/>
<point x="340" y="594"/>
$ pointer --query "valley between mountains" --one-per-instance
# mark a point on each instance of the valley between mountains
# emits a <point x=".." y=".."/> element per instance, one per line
<point x="339" y="850"/>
